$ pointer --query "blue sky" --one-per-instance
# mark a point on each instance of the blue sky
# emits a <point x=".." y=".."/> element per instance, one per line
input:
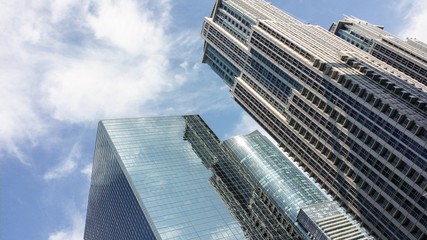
<point x="66" y="64"/>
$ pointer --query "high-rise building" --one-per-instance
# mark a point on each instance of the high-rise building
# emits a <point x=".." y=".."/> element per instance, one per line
<point x="272" y="198"/>
<point x="410" y="56"/>
<point x="354" y="123"/>
<point x="148" y="183"/>
<point x="151" y="180"/>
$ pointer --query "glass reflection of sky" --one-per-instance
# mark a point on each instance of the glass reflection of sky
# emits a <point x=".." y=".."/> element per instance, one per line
<point x="278" y="176"/>
<point x="170" y="181"/>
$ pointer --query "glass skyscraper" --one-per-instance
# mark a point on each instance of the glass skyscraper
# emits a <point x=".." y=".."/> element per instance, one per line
<point x="273" y="199"/>
<point x="354" y="123"/>
<point x="410" y="56"/>
<point x="171" y="178"/>
<point x="148" y="183"/>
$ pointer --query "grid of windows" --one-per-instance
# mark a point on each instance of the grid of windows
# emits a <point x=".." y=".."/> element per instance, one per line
<point x="109" y="214"/>
<point x="342" y="99"/>
<point x="166" y="180"/>
<point x="355" y="39"/>
<point x="221" y="66"/>
<point x="275" y="174"/>
<point x="356" y="125"/>
<point x="385" y="47"/>
<point x="393" y="59"/>
<point x="150" y="181"/>
<point x="303" y="153"/>
<point x="235" y="23"/>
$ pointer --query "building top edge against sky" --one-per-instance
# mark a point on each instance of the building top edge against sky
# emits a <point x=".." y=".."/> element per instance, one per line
<point x="238" y="20"/>
<point x="379" y="31"/>
<point x="409" y="57"/>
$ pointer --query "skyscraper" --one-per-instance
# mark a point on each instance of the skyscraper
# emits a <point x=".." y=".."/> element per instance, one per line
<point x="148" y="183"/>
<point x="410" y="56"/>
<point x="150" y="180"/>
<point x="273" y="199"/>
<point x="356" y="124"/>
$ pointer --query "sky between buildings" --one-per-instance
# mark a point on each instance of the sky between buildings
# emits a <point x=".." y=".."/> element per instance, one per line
<point x="66" y="64"/>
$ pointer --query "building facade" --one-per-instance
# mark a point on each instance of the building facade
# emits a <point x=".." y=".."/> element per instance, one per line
<point x="171" y="178"/>
<point x="278" y="200"/>
<point x="148" y="183"/>
<point x="409" y="57"/>
<point x="355" y="124"/>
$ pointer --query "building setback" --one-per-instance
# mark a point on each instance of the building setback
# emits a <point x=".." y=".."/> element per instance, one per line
<point x="171" y="178"/>
<point x="410" y="56"/>
<point x="354" y="123"/>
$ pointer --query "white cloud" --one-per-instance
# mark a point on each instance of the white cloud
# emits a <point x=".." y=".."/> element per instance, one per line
<point x="61" y="9"/>
<point x="73" y="232"/>
<point x="415" y="19"/>
<point x="124" y="25"/>
<point x="67" y="166"/>
<point x="95" y="87"/>
<point x="77" y="61"/>
<point x="19" y="119"/>
<point x="124" y="68"/>
<point x="87" y="171"/>
<point x="18" y="115"/>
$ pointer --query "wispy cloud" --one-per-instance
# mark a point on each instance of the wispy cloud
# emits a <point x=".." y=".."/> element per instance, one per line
<point x="87" y="170"/>
<point x="67" y="166"/>
<point x="18" y="114"/>
<point x="125" y="25"/>
<point x="123" y="66"/>
<point x="415" y="12"/>
<point x="75" y="230"/>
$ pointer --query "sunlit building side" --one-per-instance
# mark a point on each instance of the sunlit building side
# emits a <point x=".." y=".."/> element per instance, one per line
<point x="410" y="56"/>
<point x="354" y="123"/>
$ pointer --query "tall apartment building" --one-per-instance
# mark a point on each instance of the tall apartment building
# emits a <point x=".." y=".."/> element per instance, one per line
<point x="171" y="178"/>
<point x="410" y="56"/>
<point x="354" y="123"/>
